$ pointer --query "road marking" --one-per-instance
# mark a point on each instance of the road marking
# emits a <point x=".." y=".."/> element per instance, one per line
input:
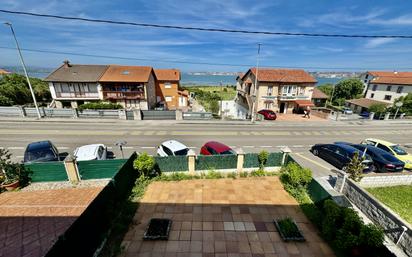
<point x="148" y="133"/>
<point x="276" y="133"/>
<point x="147" y="147"/>
<point x="243" y="133"/>
<point x="317" y="133"/>
<point x="312" y="161"/>
<point x="60" y="132"/>
<point x="307" y="133"/>
<point x="161" y="133"/>
<point x="127" y="147"/>
<point x="266" y="146"/>
<point x="62" y="147"/>
<point x="19" y="156"/>
<point x="249" y="146"/>
<point x="255" y="133"/>
<point x="15" y="148"/>
<point x="192" y="147"/>
<point x="204" y="133"/>
<point x="325" y="133"/>
<point x="297" y="133"/>
<point x="136" y="133"/>
<point x="298" y="146"/>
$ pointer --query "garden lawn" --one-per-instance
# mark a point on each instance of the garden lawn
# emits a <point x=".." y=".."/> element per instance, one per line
<point x="398" y="198"/>
<point x="227" y="92"/>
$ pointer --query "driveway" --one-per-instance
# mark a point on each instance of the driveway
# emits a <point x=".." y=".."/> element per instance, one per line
<point x="223" y="217"/>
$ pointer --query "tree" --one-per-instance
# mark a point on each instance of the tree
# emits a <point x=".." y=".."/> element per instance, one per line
<point x="406" y="107"/>
<point x="326" y="88"/>
<point x="377" y="108"/>
<point x="348" y="89"/>
<point x="355" y="167"/>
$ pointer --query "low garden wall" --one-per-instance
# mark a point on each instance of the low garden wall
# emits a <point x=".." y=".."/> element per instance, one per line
<point x="47" y="172"/>
<point x="387" y="179"/>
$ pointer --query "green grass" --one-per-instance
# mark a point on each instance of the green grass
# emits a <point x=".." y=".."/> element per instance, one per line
<point x="227" y="92"/>
<point x="398" y="198"/>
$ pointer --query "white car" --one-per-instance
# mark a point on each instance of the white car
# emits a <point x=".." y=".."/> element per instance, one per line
<point x="347" y="110"/>
<point x="172" y="148"/>
<point x="91" y="152"/>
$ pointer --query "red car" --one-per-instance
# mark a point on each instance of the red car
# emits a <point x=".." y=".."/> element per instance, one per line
<point x="268" y="114"/>
<point x="215" y="148"/>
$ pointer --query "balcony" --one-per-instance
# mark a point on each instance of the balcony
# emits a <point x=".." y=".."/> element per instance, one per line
<point x="293" y="97"/>
<point x="129" y="95"/>
<point x="78" y="94"/>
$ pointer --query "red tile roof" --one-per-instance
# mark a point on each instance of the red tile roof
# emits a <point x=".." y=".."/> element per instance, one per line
<point x="4" y="72"/>
<point x="283" y="75"/>
<point x="389" y="77"/>
<point x="119" y="73"/>
<point x="365" y="102"/>
<point x="319" y="94"/>
<point x="167" y="74"/>
<point x="304" y="103"/>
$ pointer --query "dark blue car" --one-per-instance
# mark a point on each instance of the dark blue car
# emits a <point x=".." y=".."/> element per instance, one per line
<point x="42" y="151"/>
<point x="340" y="155"/>
<point x="382" y="160"/>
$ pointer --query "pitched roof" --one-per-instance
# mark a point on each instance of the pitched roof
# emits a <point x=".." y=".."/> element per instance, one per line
<point x="365" y="102"/>
<point x="167" y="74"/>
<point x="391" y="77"/>
<point x="318" y="94"/>
<point x="4" y="72"/>
<point x="77" y="73"/>
<point x="119" y="73"/>
<point x="283" y="75"/>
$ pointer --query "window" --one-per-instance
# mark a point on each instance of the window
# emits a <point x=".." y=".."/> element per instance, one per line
<point x="388" y="88"/>
<point x="372" y="95"/>
<point x="270" y="89"/>
<point x="167" y="150"/>
<point x="268" y="105"/>
<point x="168" y="85"/>
<point x="100" y="152"/>
<point x="388" y="97"/>
<point x="168" y="98"/>
<point x="289" y="90"/>
<point x="211" y="150"/>
<point x="399" y="90"/>
<point x="366" y="77"/>
<point x="374" y="87"/>
<point x="383" y="147"/>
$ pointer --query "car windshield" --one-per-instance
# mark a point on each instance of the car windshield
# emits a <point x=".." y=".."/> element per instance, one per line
<point x="41" y="155"/>
<point x="230" y="151"/>
<point x="398" y="150"/>
<point x="182" y="152"/>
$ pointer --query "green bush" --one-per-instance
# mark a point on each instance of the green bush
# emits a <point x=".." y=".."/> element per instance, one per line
<point x="263" y="158"/>
<point x="295" y="175"/>
<point x="99" y="106"/>
<point x="145" y="164"/>
<point x="213" y="175"/>
<point x="345" y="241"/>
<point x="288" y="227"/>
<point x="258" y="173"/>
<point x="244" y="174"/>
<point x="371" y="235"/>
<point x="355" y="167"/>
<point x="232" y="175"/>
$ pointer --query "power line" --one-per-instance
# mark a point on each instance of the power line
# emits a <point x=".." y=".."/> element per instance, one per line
<point x="204" y="29"/>
<point x="199" y="63"/>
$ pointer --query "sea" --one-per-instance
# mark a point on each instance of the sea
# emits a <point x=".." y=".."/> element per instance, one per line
<point x="187" y="79"/>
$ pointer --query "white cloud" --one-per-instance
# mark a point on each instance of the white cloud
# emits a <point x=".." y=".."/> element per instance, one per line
<point x="404" y="20"/>
<point x="372" y="43"/>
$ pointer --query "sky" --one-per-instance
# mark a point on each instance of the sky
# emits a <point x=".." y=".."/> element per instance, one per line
<point x="170" y="48"/>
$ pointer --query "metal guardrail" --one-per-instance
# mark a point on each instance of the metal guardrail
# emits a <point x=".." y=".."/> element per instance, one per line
<point x="197" y="115"/>
<point x="158" y="115"/>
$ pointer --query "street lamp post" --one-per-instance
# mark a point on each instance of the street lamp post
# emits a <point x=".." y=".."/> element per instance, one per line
<point x="221" y="101"/>
<point x="255" y="85"/>
<point x="399" y="105"/>
<point x="24" y="68"/>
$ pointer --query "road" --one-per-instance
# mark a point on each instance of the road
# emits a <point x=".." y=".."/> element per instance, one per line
<point x="146" y="136"/>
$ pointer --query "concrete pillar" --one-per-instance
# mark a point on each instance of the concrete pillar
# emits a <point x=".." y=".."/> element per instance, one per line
<point x="74" y="104"/>
<point x="240" y="160"/>
<point x="340" y="180"/>
<point x="371" y="115"/>
<point x="285" y="151"/>
<point x="122" y="114"/>
<point x="387" y="116"/>
<point x="23" y="111"/>
<point x="75" y="113"/>
<point x="137" y="113"/>
<point x="179" y="114"/>
<point x="191" y="158"/>
<point x="402" y="116"/>
<point x="59" y="104"/>
<point x="70" y="164"/>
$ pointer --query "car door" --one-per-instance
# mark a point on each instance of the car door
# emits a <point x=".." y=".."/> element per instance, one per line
<point x="329" y="153"/>
<point x="341" y="157"/>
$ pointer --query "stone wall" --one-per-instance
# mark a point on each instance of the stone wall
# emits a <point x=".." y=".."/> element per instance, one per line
<point x="379" y="214"/>
<point x="383" y="180"/>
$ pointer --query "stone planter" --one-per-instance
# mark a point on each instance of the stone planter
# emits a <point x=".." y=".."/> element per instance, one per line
<point x="297" y="235"/>
<point x="158" y="229"/>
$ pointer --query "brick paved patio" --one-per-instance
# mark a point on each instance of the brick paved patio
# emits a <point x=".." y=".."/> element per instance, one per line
<point x="31" y="222"/>
<point x="221" y="218"/>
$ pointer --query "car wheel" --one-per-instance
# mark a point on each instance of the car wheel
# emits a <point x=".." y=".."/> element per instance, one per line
<point x="315" y="152"/>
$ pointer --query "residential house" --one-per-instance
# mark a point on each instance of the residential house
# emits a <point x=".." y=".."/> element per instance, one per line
<point x="74" y="84"/>
<point x="168" y="91"/>
<point x="386" y="86"/>
<point x="280" y="90"/>
<point x="129" y="86"/>
<point x="362" y="104"/>
<point x="319" y="98"/>
<point x="3" y="72"/>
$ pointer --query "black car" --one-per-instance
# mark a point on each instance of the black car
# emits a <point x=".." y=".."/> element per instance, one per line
<point x="42" y="151"/>
<point x="340" y="155"/>
<point x="382" y="160"/>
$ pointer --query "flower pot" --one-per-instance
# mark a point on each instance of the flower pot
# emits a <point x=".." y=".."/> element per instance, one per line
<point x="11" y="186"/>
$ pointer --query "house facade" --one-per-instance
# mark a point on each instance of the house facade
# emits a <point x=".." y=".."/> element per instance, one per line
<point x="129" y="86"/>
<point x="386" y="86"/>
<point x="279" y="90"/>
<point x="73" y="84"/>
<point x="169" y="95"/>
<point x="319" y="98"/>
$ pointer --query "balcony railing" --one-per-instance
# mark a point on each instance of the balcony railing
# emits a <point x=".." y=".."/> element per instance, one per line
<point x="77" y="95"/>
<point x="131" y="95"/>
<point x="294" y="97"/>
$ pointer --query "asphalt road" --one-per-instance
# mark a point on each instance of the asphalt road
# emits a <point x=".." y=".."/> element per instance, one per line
<point x="146" y="136"/>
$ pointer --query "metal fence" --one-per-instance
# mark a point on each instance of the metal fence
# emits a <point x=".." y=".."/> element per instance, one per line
<point x="252" y="161"/>
<point x="197" y="115"/>
<point x="216" y="162"/>
<point x="10" y="111"/>
<point x="172" y="163"/>
<point x="100" y="114"/>
<point x="158" y="115"/>
<point x="97" y="169"/>
<point x="47" y="172"/>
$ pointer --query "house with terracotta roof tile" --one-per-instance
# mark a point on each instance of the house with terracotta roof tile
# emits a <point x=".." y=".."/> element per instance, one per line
<point x="279" y="90"/>
<point x="319" y="98"/>
<point x="3" y="72"/>
<point x="168" y="91"/>
<point x="386" y="86"/>
<point x="129" y="86"/>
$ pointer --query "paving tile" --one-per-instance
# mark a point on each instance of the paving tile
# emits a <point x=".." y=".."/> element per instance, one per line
<point x="228" y="226"/>
<point x="220" y="247"/>
<point x="239" y="226"/>
<point x="197" y="235"/>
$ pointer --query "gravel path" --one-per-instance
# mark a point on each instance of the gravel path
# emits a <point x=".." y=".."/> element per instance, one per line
<point x="66" y="184"/>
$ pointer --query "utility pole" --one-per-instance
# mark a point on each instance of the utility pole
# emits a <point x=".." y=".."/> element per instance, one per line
<point x="255" y="85"/>
<point x="221" y="101"/>
<point x="24" y="68"/>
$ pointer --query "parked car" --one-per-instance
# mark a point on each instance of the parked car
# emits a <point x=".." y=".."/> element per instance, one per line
<point x="347" y="110"/>
<point x="340" y="155"/>
<point x="382" y="160"/>
<point x="393" y="149"/>
<point x="42" y="151"/>
<point x="268" y="114"/>
<point x="364" y="114"/>
<point x="215" y="148"/>
<point x="91" y="152"/>
<point x="172" y="148"/>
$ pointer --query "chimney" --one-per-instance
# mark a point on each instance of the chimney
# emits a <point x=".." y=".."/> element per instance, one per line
<point x="66" y="64"/>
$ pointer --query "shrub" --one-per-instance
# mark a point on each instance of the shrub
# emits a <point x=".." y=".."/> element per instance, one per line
<point x="99" y="106"/>
<point x="232" y="175"/>
<point x="355" y="167"/>
<point x="213" y="175"/>
<point x="263" y="158"/>
<point x="288" y="227"/>
<point x="243" y="174"/>
<point x="258" y="173"/>
<point x="295" y="175"/>
<point x="11" y="172"/>
<point x="145" y="164"/>
<point x="345" y="241"/>
<point x="371" y="235"/>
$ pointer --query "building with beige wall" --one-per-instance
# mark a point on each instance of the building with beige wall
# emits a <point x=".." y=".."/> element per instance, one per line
<point x="279" y="90"/>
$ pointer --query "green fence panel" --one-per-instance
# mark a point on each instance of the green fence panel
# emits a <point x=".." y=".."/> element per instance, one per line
<point x="317" y="192"/>
<point x="172" y="163"/>
<point x="251" y="160"/>
<point x="215" y="162"/>
<point x="47" y="172"/>
<point x="274" y="160"/>
<point x="98" y="169"/>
